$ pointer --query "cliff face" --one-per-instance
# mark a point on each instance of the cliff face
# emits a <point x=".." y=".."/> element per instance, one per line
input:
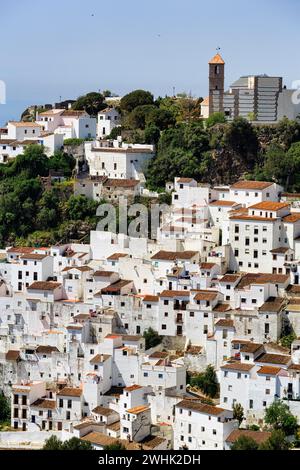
<point x="227" y="167"/>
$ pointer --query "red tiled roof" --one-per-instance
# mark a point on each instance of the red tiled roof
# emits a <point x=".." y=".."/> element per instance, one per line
<point x="216" y="59"/>
<point x="257" y="436"/>
<point x="259" y="185"/>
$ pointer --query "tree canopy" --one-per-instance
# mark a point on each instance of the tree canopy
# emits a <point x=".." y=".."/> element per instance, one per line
<point x="279" y="417"/>
<point x="136" y="98"/>
<point x="53" y="443"/>
<point x="207" y="382"/>
<point x="244" y="443"/>
<point x="4" y="408"/>
<point x="31" y="213"/>
<point x="152" y="338"/>
<point x="92" y="103"/>
<point x="238" y="412"/>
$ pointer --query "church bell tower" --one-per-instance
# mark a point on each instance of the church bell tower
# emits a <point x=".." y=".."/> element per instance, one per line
<point x="216" y="84"/>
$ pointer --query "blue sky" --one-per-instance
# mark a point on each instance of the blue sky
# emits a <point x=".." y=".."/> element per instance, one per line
<point x="58" y="48"/>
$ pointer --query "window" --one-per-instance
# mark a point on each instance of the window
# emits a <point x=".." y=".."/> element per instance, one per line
<point x="166" y="302"/>
<point x="163" y="327"/>
<point x="192" y="314"/>
<point x="61" y="403"/>
<point x="267" y="391"/>
<point x="251" y="404"/>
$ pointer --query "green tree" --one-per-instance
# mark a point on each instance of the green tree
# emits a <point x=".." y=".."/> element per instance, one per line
<point x="286" y="341"/>
<point x="152" y="338"/>
<point x="244" y="443"/>
<point x="92" y="103"/>
<point x="134" y="99"/>
<point x="207" y="382"/>
<point x="115" y="132"/>
<point x="215" y="118"/>
<point x="80" y="207"/>
<point x="238" y="412"/>
<point x="241" y="138"/>
<point x="32" y="163"/>
<point x="181" y="151"/>
<point x="115" y="446"/>
<point x="152" y="134"/>
<point x="61" y="161"/>
<point x="277" y="441"/>
<point x="4" y="408"/>
<point x="278" y="166"/>
<point x="53" y="443"/>
<point x="278" y="416"/>
<point x="137" y="118"/>
<point x="161" y="118"/>
<point x="76" y="444"/>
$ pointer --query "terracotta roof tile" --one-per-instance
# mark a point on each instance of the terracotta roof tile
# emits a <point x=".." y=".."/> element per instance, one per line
<point x="269" y="206"/>
<point x="216" y="59"/>
<point x="201" y="407"/>
<point x="268" y="370"/>
<point x="259" y="185"/>
<point x="258" y="436"/>
<point x="70" y="392"/>
<point x="44" y="285"/>
<point x="173" y="255"/>
<point x="238" y="366"/>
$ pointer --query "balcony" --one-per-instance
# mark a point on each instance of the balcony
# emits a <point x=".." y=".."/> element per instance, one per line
<point x="178" y="306"/>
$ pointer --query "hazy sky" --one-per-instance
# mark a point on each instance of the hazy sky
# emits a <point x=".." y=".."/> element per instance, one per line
<point x="57" y="48"/>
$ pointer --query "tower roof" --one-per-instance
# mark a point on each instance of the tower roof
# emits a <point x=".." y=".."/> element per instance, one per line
<point x="217" y="59"/>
